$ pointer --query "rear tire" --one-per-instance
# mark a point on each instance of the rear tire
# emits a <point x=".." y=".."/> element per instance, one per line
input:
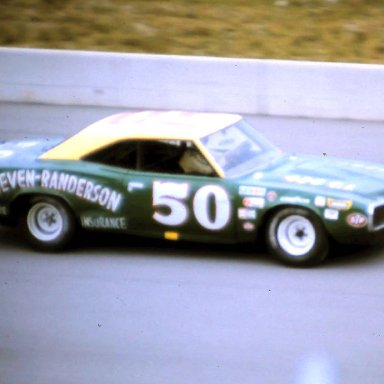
<point x="297" y="237"/>
<point x="48" y="224"/>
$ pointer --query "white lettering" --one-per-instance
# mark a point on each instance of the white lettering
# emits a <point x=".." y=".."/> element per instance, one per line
<point x="30" y="178"/>
<point x="104" y="196"/>
<point x="63" y="181"/>
<point x="60" y="181"/>
<point x="21" y="178"/>
<point x="168" y="194"/>
<point x="12" y="179"/>
<point x="54" y="181"/>
<point x="114" y="201"/>
<point x="95" y="193"/>
<point x="45" y="175"/>
<point x="88" y="190"/>
<point x="72" y="184"/>
<point x="4" y="185"/>
<point x="211" y="205"/>
<point x="80" y="187"/>
<point x="17" y="179"/>
<point x="104" y="222"/>
<point x="221" y="207"/>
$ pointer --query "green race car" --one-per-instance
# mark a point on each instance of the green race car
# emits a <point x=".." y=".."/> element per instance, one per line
<point x="194" y="176"/>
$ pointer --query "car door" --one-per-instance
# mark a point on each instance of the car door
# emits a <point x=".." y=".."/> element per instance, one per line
<point x="164" y="201"/>
<point x="176" y="206"/>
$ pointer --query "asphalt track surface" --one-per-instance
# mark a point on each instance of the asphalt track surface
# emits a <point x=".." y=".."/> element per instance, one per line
<point x="123" y="310"/>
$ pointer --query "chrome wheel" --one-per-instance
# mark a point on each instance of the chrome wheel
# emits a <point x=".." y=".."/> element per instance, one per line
<point x="49" y="223"/>
<point x="45" y="222"/>
<point x="296" y="235"/>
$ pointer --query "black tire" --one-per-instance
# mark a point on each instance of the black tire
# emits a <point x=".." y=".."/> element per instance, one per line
<point x="297" y="237"/>
<point x="48" y="224"/>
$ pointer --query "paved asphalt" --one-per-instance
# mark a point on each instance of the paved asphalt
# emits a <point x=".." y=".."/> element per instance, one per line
<point x="124" y="310"/>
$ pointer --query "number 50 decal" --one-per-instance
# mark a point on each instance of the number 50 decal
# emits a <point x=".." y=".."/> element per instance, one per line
<point x="173" y="196"/>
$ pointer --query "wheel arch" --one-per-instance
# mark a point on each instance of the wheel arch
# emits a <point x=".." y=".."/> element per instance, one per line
<point x="21" y="202"/>
<point x="268" y="214"/>
<point x="286" y="251"/>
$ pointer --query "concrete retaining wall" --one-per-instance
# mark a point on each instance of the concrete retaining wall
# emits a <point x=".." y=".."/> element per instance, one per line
<point x="268" y="87"/>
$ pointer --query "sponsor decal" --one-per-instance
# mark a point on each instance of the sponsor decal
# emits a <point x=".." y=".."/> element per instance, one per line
<point x="104" y="222"/>
<point x="247" y="190"/>
<point x="342" y="205"/>
<point x="294" y="200"/>
<point x="357" y="220"/>
<point x="22" y="178"/>
<point x="331" y="214"/>
<point x="246" y="214"/>
<point x="254" y="202"/>
<point x="63" y="182"/>
<point x="320" y="201"/>
<point x="248" y="226"/>
<point x="320" y="182"/>
<point x="271" y="196"/>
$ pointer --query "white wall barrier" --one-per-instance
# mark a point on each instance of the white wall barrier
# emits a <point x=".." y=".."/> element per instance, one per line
<point x="269" y="87"/>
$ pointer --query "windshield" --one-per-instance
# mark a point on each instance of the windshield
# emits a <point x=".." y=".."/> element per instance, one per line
<point x="239" y="149"/>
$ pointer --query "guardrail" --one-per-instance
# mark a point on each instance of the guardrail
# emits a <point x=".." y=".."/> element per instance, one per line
<point x="268" y="87"/>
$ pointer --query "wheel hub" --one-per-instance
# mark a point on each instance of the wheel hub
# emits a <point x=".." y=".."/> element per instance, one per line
<point x="296" y="235"/>
<point x="44" y="221"/>
<point x="48" y="219"/>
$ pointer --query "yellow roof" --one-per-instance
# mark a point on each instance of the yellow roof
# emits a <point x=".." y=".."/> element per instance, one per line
<point x="140" y="125"/>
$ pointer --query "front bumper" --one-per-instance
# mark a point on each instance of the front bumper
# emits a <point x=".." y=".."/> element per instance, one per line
<point x="376" y="212"/>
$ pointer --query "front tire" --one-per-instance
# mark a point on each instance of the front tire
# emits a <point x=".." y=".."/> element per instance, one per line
<point x="49" y="225"/>
<point x="297" y="237"/>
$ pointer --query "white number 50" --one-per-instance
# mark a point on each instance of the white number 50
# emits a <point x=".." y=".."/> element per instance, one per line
<point x="172" y="196"/>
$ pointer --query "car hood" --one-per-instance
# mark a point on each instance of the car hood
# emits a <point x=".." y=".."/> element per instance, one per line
<point x="319" y="174"/>
<point x="20" y="152"/>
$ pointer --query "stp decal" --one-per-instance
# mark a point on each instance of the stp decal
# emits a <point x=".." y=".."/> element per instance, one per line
<point x="357" y="220"/>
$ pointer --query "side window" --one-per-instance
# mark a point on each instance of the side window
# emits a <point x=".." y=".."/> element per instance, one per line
<point x="160" y="156"/>
<point x="123" y="154"/>
<point x="173" y="156"/>
<point x="192" y="162"/>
